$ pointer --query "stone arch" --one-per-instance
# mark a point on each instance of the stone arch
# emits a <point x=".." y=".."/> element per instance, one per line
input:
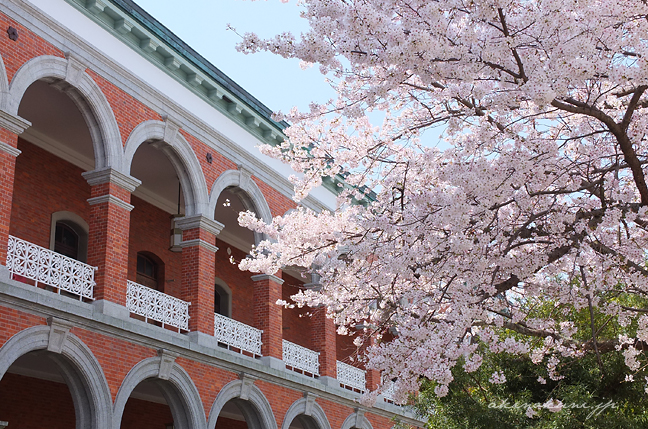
<point x="70" y="76"/>
<point x="357" y="420"/>
<point x="79" y="368"/>
<point x="4" y="83"/>
<point x="178" y="390"/>
<point x="252" y="402"/>
<point x="78" y="224"/>
<point x="308" y="407"/>
<point x="248" y="191"/>
<point x="181" y="156"/>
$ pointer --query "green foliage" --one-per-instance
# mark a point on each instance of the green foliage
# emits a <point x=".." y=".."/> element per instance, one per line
<point x="591" y="398"/>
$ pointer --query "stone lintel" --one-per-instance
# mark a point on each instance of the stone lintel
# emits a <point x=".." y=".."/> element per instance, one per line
<point x="271" y="277"/>
<point x="110" y="175"/>
<point x="110" y="199"/>
<point x="199" y="221"/>
<point x="199" y="242"/>
<point x="13" y="123"/>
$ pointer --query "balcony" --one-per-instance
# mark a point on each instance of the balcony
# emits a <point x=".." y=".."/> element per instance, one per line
<point x="300" y="359"/>
<point x="350" y="377"/>
<point x="157" y="306"/>
<point x="237" y="335"/>
<point x="29" y="261"/>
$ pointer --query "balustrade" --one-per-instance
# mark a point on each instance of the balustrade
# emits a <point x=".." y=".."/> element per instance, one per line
<point x="48" y="267"/>
<point x="351" y="377"/>
<point x="158" y="306"/>
<point x="300" y="358"/>
<point x="237" y="335"/>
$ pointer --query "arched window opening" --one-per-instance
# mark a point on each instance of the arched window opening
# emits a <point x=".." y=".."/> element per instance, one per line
<point x="222" y="299"/>
<point x="150" y="271"/>
<point x="66" y="241"/>
<point x="69" y="235"/>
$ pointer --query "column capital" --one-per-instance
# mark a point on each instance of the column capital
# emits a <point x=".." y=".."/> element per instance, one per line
<point x="199" y="221"/>
<point x="110" y="175"/>
<point x="110" y="199"/>
<point x="4" y="147"/>
<point x="199" y="242"/>
<point x="271" y="277"/>
<point x="13" y="123"/>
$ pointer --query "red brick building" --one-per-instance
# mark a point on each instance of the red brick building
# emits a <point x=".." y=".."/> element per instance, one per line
<point x="124" y="160"/>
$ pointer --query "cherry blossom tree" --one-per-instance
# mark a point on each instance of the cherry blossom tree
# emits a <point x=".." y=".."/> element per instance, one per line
<point x="540" y="201"/>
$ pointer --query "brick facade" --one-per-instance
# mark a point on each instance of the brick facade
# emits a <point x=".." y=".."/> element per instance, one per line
<point x="40" y="182"/>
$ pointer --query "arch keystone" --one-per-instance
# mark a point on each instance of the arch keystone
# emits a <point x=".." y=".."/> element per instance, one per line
<point x="167" y="359"/>
<point x="246" y="385"/>
<point x="75" y="70"/>
<point x="59" y="330"/>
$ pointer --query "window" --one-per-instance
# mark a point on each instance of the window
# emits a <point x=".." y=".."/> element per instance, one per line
<point x="69" y="235"/>
<point x="222" y="298"/>
<point x="148" y="271"/>
<point x="66" y="241"/>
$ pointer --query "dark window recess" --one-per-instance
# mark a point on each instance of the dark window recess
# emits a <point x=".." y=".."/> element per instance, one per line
<point x="147" y="272"/>
<point x="66" y="241"/>
<point x="217" y="303"/>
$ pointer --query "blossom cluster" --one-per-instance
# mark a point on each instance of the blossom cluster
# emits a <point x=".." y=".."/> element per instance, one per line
<point x="539" y="200"/>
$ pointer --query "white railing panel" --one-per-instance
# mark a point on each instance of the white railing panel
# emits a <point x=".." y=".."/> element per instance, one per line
<point x="236" y="334"/>
<point x="350" y="376"/>
<point x="46" y="266"/>
<point x="390" y="392"/>
<point x="300" y="358"/>
<point x="157" y="306"/>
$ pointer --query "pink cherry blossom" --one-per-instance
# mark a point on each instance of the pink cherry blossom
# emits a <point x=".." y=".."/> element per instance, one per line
<point x="540" y="196"/>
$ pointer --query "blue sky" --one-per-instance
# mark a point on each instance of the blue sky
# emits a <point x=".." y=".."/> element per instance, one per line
<point x="277" y="82"/>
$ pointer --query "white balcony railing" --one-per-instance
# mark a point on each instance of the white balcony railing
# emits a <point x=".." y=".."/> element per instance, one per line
<point x="300" y="358"/>
<point x="48" y="267"/>
<point x="158" y="306"/>
<point x="389" y="392"/>
<point x="237" y="335"/>
<point x="351" y="377"/>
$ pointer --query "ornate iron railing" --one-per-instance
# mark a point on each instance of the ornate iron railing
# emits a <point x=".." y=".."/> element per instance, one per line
<point x="237" y="335"/>
<point x="389" y="392"/>
<point x="350" y="376"/>
<point x="158" y="306"/>
<point x="300" y="358"/>
<point x="46" y="266"/>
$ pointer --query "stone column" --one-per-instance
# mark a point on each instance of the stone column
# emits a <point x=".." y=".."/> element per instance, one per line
<point x="199" y="270"/>
<point x="268" y="317"/>
<point x="10" y="128"/>
<point x="109" y="223"/>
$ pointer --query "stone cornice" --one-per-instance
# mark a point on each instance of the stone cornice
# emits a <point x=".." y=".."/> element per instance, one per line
<point x="63" y="38"/>
<point x="199" y="221"/>
<point x="271" y="277"/>
<point x="110" y="199"/>
<point x="4" y="147"/>
<point x="220" y="92"/>
<point x="110" y="175"/>
<point x="183" y="64"/>
<point x="199" y="242"/>
<point x="15" y="124"/>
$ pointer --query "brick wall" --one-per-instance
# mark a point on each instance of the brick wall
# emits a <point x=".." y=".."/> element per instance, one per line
<point x="40" y="179"/>
<point x="296" y="322"/>
<point x="149" y="232"/>
<point x="128" y="111"/>
<point x="139" y="414"/>
<point x="29" y="403"/>
<point x="29" y="45"/>
<point x="238" y="281"/>
<point x="45" y="184"/>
